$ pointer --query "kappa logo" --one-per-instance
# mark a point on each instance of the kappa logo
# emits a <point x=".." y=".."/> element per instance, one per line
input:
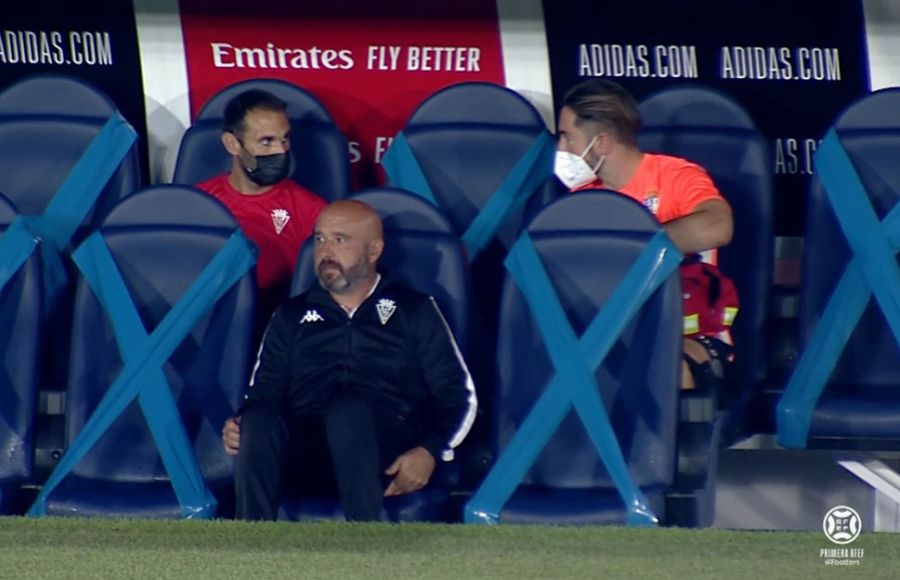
<point x="280" y="218"/>
<point x="311" y="316"/>
<point x="386" y="309"/>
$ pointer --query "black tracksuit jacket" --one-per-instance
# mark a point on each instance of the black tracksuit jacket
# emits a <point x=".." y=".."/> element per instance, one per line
<point x="395" y="351"/>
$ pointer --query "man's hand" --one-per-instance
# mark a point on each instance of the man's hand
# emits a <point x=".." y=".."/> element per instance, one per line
<point x="411" y="471"/>
<point x="231" y="435"/>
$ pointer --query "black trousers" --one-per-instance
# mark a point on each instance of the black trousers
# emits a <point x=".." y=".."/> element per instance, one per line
<point x="346" y="447"/>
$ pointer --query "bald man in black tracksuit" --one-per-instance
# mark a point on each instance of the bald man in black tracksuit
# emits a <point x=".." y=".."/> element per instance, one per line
<point x="363" y="372"/>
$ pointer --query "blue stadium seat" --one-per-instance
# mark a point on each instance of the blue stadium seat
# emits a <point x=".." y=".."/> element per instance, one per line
<point x="860" y="405"/>
<point x="46" y="123"/>
<point x="20" y="335"/>
<point x="465" y="148"/>
<point x="711" y="129"/>
<point x="586" y="243"/>
<point x="467" y="140"/>
<point x="423" y="252"/>
<point x="319" y="150"/>
<point x="160" y="239"/>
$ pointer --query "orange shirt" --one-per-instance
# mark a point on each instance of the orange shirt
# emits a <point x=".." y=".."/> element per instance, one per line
<point x="670" y="187"/>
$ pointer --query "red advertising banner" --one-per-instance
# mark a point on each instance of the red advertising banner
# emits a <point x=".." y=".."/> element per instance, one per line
<point x="370" y="63"/>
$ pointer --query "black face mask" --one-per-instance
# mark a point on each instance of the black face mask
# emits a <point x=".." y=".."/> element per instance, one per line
<point x="270" y="169"/>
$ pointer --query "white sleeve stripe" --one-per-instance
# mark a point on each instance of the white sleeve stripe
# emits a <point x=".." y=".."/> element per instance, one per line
<point x="259" y="352"/>
<point x="466" y="424"/>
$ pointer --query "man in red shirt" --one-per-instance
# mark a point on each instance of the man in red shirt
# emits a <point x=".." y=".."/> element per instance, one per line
<point x="275" y="212"/>
<point x="598" y="127"/>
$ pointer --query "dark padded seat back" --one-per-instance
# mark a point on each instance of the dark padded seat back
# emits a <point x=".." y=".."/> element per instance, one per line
<point x="161" y="239"/>
<point x="467" y="138"/>
<point x="869" y="367"/>
<point x="587" y="242"/>
<point x="713" y="130"/>
<point x="20" y="333"/>
<point x="46" y="123"/>
<point x="318" y="148"/>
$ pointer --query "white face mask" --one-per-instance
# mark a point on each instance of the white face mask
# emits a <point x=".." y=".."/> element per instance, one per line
<point x="573" y="170"/>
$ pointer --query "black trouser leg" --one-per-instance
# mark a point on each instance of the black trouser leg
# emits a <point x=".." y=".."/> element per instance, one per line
<point x="364" y="440"/>
<point x="264" y="438"/>
<point x="360" y="440"/>
<point x="350" y="429"/>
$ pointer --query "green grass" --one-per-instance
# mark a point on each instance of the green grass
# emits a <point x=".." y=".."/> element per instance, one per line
<point x="77" y="548"/>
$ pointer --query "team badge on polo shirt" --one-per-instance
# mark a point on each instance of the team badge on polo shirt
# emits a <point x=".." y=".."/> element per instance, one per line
<point x="311" y="316"/>
<point x="280" y="218"/>
<point x="651" y="202"/>
<point x="386" y="309"/>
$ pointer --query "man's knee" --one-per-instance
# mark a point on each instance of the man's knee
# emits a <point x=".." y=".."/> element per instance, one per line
<point x="706" y="367"/>
<point x="694" y="366"/>
<point x="696" y="351"/>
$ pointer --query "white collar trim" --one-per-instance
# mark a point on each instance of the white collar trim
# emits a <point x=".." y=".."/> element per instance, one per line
<point x="349" y="312"/>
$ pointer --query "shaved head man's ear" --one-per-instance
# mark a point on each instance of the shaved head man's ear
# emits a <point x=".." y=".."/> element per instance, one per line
<point x="376" y="247"/>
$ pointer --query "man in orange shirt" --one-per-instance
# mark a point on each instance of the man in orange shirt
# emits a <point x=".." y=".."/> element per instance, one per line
<point x="598" y="127"/>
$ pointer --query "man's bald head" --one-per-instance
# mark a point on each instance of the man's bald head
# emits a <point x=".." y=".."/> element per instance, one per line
<point x="355" y="212"/>
<point x="349" y="240"/>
